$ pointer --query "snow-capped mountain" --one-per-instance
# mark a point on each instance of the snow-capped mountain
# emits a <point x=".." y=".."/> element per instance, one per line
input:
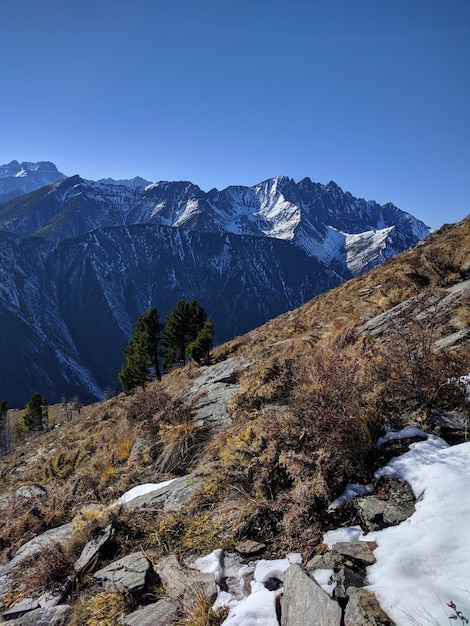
<point x="81" y="260"/>
<point x="322" y="220"/>
<point x="17" y="179"/>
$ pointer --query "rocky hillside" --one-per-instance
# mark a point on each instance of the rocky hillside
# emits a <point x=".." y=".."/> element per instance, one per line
<point x="243" y="457"/>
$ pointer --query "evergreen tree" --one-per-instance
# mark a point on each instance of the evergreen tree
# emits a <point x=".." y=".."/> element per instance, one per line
<point x="142" y="353"/>
<point x="6" y="441"/>
<point x="200" y="348"/>
<point x="182" y="326"/>
<point x="33" y="417"/>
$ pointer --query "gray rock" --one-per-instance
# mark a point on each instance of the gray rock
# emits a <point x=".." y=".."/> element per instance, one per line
<point x="56" y="596"/>
<point x="133" y="573"/>
<point x="250" y="548"/>
<point x="53" y="616"/>
<point x="20" y="608"/>
<point x="171" y="497"/>
<point x="173" y="577"/>
<point x="304" y="603"/>
<point x="363" y="609"/>
<point x="180" y="583"/>
<point x="376" y="514"/>
<point x="329" y="560"/>
<point x="400" y="504"/>
<point x="216" y="384"/>
<point x="92" y="549"/>
<point x="362" y="552"/>
<point x="161" y="613"/>
<point x="370" y="511"/>
<point x="61" y="535"/>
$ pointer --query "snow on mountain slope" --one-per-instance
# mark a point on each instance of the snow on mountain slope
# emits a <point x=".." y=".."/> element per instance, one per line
<point x="322" y="220"/>
<point x="17" y="178"/>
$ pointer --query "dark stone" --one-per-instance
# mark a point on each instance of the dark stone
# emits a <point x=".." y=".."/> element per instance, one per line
<point x="272" y="584"/>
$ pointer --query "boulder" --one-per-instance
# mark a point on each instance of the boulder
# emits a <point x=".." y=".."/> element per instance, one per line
<point x="20" y="608"/>
<point x="170" y="496"/>
<point x="92" y="549"/>
<point x="133" y="573"/>
<point x="61" y="535"/>
<point x="392" y="506"/>
<point x="304" y="603"/>
<point x="363" y="609"/>
<point x="361" y="552"/>
<point x="161" y="613"/>
<point x="215" y="385"/>
<point x="180" y="583"/>
<point x="53" y="616"/>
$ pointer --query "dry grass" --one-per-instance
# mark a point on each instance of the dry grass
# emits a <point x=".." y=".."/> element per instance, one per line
<point x="197" y="610"/>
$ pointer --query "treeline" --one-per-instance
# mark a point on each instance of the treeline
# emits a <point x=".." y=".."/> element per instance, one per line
<point x="186" y="333"/>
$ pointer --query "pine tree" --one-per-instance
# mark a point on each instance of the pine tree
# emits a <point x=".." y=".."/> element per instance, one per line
<point x="33" y="417"/>
<point x="6" y="441"/>
<point x="142" y="353"/>
<point x="182" y="326"/>
<point x="200" y="348"/>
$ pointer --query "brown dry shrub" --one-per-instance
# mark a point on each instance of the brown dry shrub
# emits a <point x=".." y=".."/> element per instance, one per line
<point x="197" y="610"/>
<point x="103" y="609"/>
<point x="415" y="379"/>
<point x="47" y="570"/>
<point x="176" y="438"/>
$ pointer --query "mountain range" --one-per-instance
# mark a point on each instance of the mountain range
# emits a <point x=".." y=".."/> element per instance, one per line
<point x="81" y="260"/>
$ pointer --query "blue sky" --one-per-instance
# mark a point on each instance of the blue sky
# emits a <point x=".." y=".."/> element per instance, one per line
<point x="373" y="94"/>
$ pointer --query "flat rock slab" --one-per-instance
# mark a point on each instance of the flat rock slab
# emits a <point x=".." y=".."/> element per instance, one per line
<point x="171" y="496"/>
<point x="133" y="573"/>
<point x="362" y="552"/>
<point x="92" y="549"/>
<point x="378" y="513"/>
<point x="61" y="534"/>
<point x="216" y="384"/>
<point x="53" y="616"/>
<point x="305" y="603"/>
<point x="161" y="613"/>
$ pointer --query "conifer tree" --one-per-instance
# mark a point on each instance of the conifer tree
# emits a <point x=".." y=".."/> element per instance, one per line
<point x="6" y="441"/>
<point x="182" y="326"/>
<point x="35" y="408"/>
<point x="142" y="353"/>
<point x="200" y="348"/>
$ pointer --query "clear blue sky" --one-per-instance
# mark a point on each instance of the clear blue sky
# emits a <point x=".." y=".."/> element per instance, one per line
<point x="373" y="94"/>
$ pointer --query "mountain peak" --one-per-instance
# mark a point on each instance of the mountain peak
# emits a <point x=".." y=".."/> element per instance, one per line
<point x="18" y="178"/>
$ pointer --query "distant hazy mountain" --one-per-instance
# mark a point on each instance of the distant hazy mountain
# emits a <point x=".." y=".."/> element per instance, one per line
<point x="81" y="260"/>
<point x="17" y="179"/>
<point x="137" y="181"/>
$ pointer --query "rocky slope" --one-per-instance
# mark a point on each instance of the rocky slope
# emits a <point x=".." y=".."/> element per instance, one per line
<point x="256" y="446"/>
